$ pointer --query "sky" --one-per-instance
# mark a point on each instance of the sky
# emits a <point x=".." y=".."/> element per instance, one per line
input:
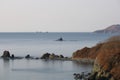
<point x="58" y="15"/>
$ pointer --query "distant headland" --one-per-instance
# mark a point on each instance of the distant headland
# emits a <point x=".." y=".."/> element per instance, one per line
<point x="111" y="29"/>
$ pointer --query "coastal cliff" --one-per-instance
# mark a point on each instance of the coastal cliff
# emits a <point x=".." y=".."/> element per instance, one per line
<point x="107" y="63"/>
<point x="88" y="53"/>
<point x="110" y="29"/>
<point x="107" y="59"/>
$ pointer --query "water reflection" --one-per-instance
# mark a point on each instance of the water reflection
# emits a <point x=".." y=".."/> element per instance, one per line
<point x="82" y="67"/>
<point x="54" y="69"/>
<point x="6" y="64"/>
<point x="6" y="68"/>
<point x="78" y="63"/>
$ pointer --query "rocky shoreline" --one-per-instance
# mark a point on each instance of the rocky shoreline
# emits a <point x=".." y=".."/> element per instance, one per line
<point x="106" y="58"/>
<point x="47" y="56"/>
<point x="50" y="56"/>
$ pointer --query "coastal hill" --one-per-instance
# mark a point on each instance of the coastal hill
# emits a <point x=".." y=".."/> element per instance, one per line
<point x="88" y="53"/>
<point x="107" y="62"/>
<point x="106" y="57"/>
<point x="110" y="29"/>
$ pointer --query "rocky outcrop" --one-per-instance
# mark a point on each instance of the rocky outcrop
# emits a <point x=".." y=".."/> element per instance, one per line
<point x="6" y="54"/>
<point x="28" y="56"/>
<point x="45" y="56"/>
<point x="110" y="29"/>
<point x="51" y="56"/>
<point x="107" y="59"/>
<point x="107" y="63"/>
<point x="12" y="56"/>
<point x="83" y="53"/>
<point x="89" y="53"/>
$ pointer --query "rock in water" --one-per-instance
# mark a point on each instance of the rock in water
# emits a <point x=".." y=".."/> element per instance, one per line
<point x="45" y="56"/>
<point x="27" y="56"/>
<point x="12" y="56"/>
<point x="6" y="54"/>
<point x="60" y="39"/>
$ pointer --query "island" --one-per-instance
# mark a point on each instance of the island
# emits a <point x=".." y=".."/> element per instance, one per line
<point x="111" y="29"/>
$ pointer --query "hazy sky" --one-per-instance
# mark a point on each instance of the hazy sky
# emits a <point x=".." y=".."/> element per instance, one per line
<point x="58" y="15"/>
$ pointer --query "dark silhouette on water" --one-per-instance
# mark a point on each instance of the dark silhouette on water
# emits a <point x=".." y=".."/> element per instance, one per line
<point x="82" y="76"/>
<point x="27" y="56"/>
<point x="6" y="54"/>
<point x="60" y="39"/>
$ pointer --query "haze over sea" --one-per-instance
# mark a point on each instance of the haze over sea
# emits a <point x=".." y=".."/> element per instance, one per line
<point x="36" y="44"/>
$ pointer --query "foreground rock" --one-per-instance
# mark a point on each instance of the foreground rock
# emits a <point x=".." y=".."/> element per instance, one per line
<point x="107" y="63"/>
<point x="81" y="76"/>
<point x="107" y="59"/>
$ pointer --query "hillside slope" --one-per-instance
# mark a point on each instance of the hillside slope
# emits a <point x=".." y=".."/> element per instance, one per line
<point x="107" y="59"/>
<point x="110" y="29"/>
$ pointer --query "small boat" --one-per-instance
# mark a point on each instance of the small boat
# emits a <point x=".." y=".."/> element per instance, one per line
<point x="60" y="39"/>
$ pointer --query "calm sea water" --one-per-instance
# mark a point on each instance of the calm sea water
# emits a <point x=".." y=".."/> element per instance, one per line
<point x="35" y="44"/>
<point x="40" y="69"/>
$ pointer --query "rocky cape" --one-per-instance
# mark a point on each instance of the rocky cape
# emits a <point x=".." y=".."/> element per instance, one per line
<point x="110" y="29"/>
<point x="106" y="58"/>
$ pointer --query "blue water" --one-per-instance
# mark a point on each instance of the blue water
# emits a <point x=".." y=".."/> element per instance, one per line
<point x="40" y="69"/>
<point x="36" y="44"/>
